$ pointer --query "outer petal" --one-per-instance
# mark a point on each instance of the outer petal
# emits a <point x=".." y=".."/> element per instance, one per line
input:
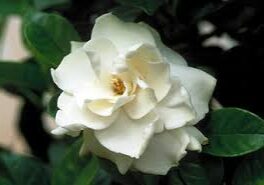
<point x="63" y="131"/>
<point x="199" y="85"/>
<point x="175" y="109"/>
<point x="146" y="62"/>
<point x="76" y="45"/>
<point x="73" y="118"/>
<point x="127" y="136"/>
<point x="144" y="102"/>
<point x="122" y="34"/>
<point x="169" y="55"/>
<point x="91" y="144"/>
<point x="165" y="150"/>
<point x="74" y="71"/>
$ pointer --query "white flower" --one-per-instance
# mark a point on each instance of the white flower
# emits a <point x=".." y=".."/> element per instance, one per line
<point x="135" y="100"/>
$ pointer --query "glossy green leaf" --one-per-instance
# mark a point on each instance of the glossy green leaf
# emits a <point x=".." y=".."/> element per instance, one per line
<point x="234" y="132"/>
<point x="48" y="37"/>
<point x="8" y="7"/>
<point x="40" y="4"/>
<point x="22" y="75"/>
<point x="24" y="170"/>
<point x="148" y="6"/>
<point x="75" y="170"/>
<point x="251" y="170"/>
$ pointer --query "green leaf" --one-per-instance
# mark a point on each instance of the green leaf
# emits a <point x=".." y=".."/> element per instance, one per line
<point x="4" y="181"/>
<point x="126" y="13"/>
<point x="8" y="7"/>
<point x="23" y="75"/>
<point x="234" y="132"/>
<point x="41" y="5"/>
<point x="251" y="170"/>
<point x="174" y="178"/>
<point x="110" y="168"/>
<point x="148" y="6"/>
<point x="205" y="170"/>
<point x="75" y="170"/>
<point x="24" y="170"/>
<point x="48" y="37"/>
<point x="52" y="106"/>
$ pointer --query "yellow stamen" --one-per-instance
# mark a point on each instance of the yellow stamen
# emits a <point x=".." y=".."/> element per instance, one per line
<point x="118" y="85"/>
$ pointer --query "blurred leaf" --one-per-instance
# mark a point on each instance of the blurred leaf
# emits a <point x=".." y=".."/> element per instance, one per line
<point x="4" y="181"/>
<point x="148" y="6"/>
<point x="8" y="7"/>
<point x="251" y="170"/>
<point x="56" y="150"/>
<point x="102" y="178"/>
<point x="205" y="170"/>
<point x="110" y="168"/>
<point x="48" y="37"/>
<point x="234" y="132"/>
<point x="24" y="170"/>
<point x="52" y="106"/>
<point x="44" y="4"/>
<point x="22" y="75"/>
<point x="126" y="13"/>
<point x="75" y="170"/>
<point x="173" y="177"/>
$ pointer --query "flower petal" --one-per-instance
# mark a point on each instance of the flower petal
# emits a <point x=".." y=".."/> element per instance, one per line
<point x="91" y="144"/>
<point x="127" y="136"/>
<point x="106" y="51"/>
<point x="199" y="85"/>
<point x="76" y="45"/>
<point x="146" y="62"/>
<point x="62" y="131"/>
<point x="74" y="118"/>
<point x="122" y="34"/>
<point x="169" y="55"/>
<point x="166" y="149"/>
<point x="175" y="109"/>
<point x="104" y="107"/>
<point x="74" y="71"/>
<point x="143" y="103"/>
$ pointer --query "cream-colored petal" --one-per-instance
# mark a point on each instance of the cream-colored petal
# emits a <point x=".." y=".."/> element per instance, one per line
<point x="106" y="107"/>
<point x="107" y="53"/>
<point x="76" y="45"/>
<point x="74" y="71"/>
<point x="143" y="103"/>
<point x="147" y="63"/>
<point x="199" y="86"/>
<point x="168" y="54"/>
<point x="122" y="34"/>
<point x="175" y="110"/>
<point x="62" y="131"/>
<point x="74" y="118"/>
<point x="91" y="92"/>
<point x="197" y="139"/>
<point x="166" y="149"/>
<point x="91" y="144"/>
<point x="127" y="136"/>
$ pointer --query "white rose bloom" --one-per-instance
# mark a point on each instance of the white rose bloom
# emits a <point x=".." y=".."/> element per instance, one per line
<point x="135" y="100"/>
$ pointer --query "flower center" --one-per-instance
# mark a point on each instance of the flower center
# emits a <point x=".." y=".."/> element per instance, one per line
<point x="118" y="85"/>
